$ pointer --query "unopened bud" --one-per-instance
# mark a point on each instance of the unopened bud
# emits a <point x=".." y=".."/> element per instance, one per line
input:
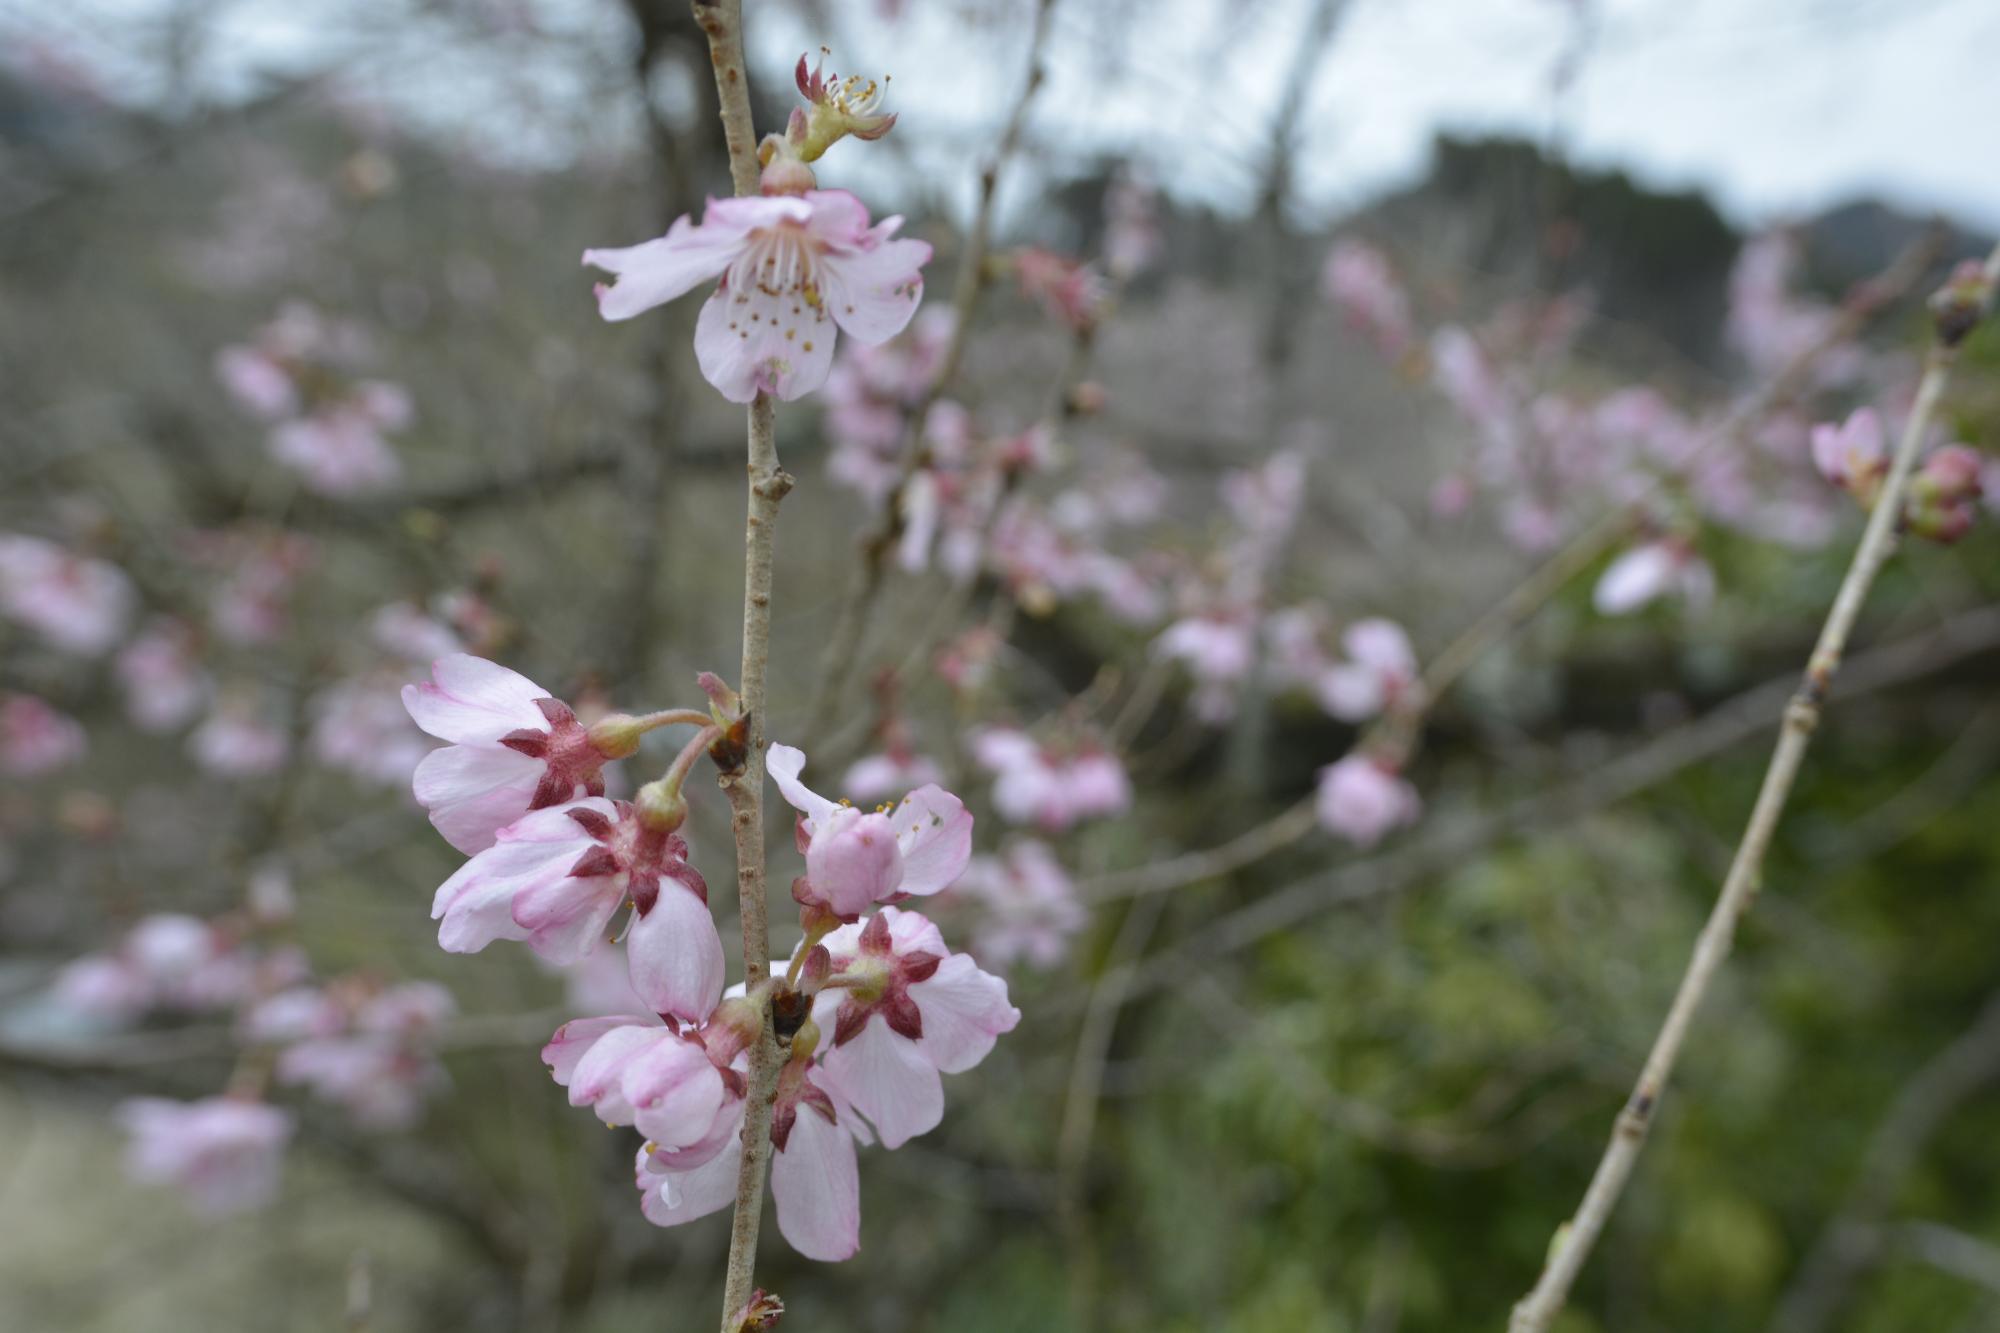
<point x="735" y="1025"/>
<point x="784" y="172"/>
<point x="723" y="701"/>
<point x="616" y="736"/>
<point x="662" y="808"/>
<point x="1940" y="502"/>
<point x="806" y="1040"/>
<point x="1959" y="305"/>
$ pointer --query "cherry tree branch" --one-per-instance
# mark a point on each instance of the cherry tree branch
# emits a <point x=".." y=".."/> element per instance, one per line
<point x="722" y="22"/>
<point x="1573" y="1242"/>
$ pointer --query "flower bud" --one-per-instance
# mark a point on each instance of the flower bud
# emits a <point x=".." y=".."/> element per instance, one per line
<point x="1959" y="305"/>
<point x="662" y="808"/>
<point x="1939" y="504"/>
<point x="616" y="736"/>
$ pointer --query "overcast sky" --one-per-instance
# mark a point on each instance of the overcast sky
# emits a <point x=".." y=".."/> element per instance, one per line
<point x="1777" y="107"/>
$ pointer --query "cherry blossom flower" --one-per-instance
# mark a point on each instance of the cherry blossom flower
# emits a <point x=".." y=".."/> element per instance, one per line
<point x="1068" y="289"/>
<point x="657" y="1077"/>
<point x="169" y="961"/>
<point x="35" y="739"/>
<point x="258" y="381"/>
<point x="794" y="271"/>
<point x="1359" y="280"/>
<point x="1646" y="573"/>
<point x="77" y="604"/>
<point x="236" y="741"/>
<point x="164" y="684"/>
<point x="1219" y="648"/>
<point x="910" y="1011"/>
<point x="1380" y="671"/>
<point x="1030" y="908"/>
<point x="373" y="1061"/>
<point x="856" y="858"/>
<point x="1035" y="784"/>
<point x="223" y="1152"/>
<point x="555" y="877"/>
<point x="250" y="605"/>
<point x="815" y="1179"/>
<point x="1853" y="455"/>
<point x="1361" y="799"/>
<point x="408" y="631"/>
<point x="361" y="727"/>
<point x="338" y="451"/>
<point x="874" y="776"/>
<point x="513" y="748"/>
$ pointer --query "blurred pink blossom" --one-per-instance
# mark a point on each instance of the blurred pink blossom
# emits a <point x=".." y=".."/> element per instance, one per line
<point x="1029" y="905"/>
<point x="35" y="739"/>
<point x="223" y="1152"/>
<point x="1361" y="799"/>
<point x="161" y="675"/>
<point x="77" y="604"/>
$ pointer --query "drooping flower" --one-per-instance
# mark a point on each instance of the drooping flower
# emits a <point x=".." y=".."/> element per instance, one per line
<point x="909" y="1011"/>
<point x="367" y="1052"/>
<point x="795" y="270"/>
<point x="554" y="878"/>
<point x="1380" y="671"/>
<point x="36" y="739"/>
<point x="514" y="748"/>
<point x="815" y="1180"/>
<point x="855" y="858"/>
<point x="163" y="682"/>
<point x="1853" y="455"/>
<point x="77" y="604"/>
<point x="658" y="1077"/>
<point x="1646" y="573"/>
<point x="224" y="1152"/>
<point x="1361" y="799"/>
<point x="1030" y="905"/>
<point x="1050" y="787"/>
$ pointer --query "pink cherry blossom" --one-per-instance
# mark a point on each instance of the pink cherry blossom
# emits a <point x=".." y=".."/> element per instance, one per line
<point x="638" y="1071"/>
<point x="77" y="604"/>
<point x="555" y="877"/>
<point x="369" y="1052"/>
<point x="1646" y="573"/>
<point x="1029" y="905"/>
<point x="874" y="776"/>
<point x="1069" y="290"/>
<point x="258" y="382"/>
<point x="1361" y="799"/>
<point x="815" y="1179"/>
<point x="1359" y="280"/>
<point x="164" y="684"/>
<point x="225" y="1153"/>
<point x="361" y="727"/>
<point x="168" y="961"/>
<point x="35" y="739"/>
<point x="338" y="451"/>
<point x="238" y="741"/>
<point x="251" y="603"/>
<point x="514" y="748"/>
<point x="856" y="858"/>
<point x="1219" y="648"/>
<point x="1853" y="455"/>
<point x="1035" y="784"/>
<point x="1380" y="671"/>
<point x="794" y="271"/>
<point x="408" y="631"/>
<point x="914" y="1010"/>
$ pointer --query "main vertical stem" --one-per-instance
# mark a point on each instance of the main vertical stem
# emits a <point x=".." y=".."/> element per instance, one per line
<point x="722" y="22"/>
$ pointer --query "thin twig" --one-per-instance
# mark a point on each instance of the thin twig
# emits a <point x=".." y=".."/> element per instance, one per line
<point x="844" y="641"/>
<point x="722" y="21"/>
<point x="1575" y="1240"/>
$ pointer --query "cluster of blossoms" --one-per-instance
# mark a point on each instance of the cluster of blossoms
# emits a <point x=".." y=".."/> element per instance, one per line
<point x="297" y="375"/>
<point x="364" y="1048"/>
<point x="552" y="862"/>
<point x="1941" y="500"/>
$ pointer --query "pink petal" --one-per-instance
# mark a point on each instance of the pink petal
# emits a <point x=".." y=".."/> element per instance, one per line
<point x="470" y="700"/>
<point x="889" y="1080"/>
<point x="566" y="918"/>
<point x="873" y="293"/>
<point x="675" y="955"/>
<point x="655" y="272"/>
<point x="761" y="342"/>
<point x="670" y="1198"/>
<point x="784" y="763"/>
<point x="574" y="1038"/>
<point x="964" y="1009"/>
<point x="473" y="791"/>
<point x="818" y="1189"/>
<point x="935" y="830"/>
